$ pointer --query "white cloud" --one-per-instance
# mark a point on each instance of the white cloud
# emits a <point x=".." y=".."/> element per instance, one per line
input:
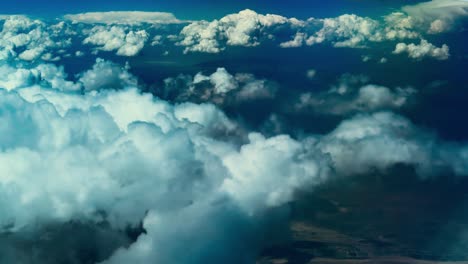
<point x="45" y="75"/>
<point x="125" y="42"/>
<point x="438" y="16"/>
<point x="424" y="49"/>
<point x="34" y="37"/>
<point x="220" y="87"/>
<point x="384" y="139"/>
<point x="311" y="74"/>
<point x="246" y="28"/>
<point x="123" y="17"/>
<point x="346" y="99"/>
<point x="126" y="156"/>
<point x="346" y="31"/>
<point x="107" y="75"/>
<point x="297" y="41"/>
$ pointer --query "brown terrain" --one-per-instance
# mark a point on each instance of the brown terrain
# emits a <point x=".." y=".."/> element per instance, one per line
<point x="378" y="219"/>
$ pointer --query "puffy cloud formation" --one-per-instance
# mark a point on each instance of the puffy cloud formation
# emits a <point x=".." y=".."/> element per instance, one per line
<point x="438" y="16"/>
<point x="45" y="75"/>
<point x="246" y="28"/>
<point x="346" y="98"/>
<point x="123" y="17"/>
<point x="127" y="32"/>
<point x="383" y="139"/>
<point x="107" y="75"/>
<point x="123" y="157"/>
<point x="346" y="31"/>
<point x="311" y="73"/>
<point x="424" y="49"/>
<point x="103" y="75"/>
<point x="220" y="87"/>
<point x="29" y="40"/>
<point x="115" y="38"/>
<point x="353" y="31"/>
<point x="166" y="180"/>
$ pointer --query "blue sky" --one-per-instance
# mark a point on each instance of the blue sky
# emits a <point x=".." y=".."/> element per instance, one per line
<point x="207" y="9"/>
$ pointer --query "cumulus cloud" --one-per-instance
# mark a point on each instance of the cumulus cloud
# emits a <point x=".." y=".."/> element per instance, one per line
<point x="246" y="28"/>
<point x="438" y="16"/>
<point x="123" y="17"/>
<point x="311" y="73"/>
<point x="123" y="157"/>
<point x="127" y="32"/>
<point x="220" y="87"/>
<point x="353" y="31"/>
<point x="423" y="50"/>
<point x="107" y="75"/>
<point x="45" y="75"/>
<point x="115" y="38"/>
<point x="29" y="39"/>
<point x="352" y="96"/>
<point x="383" y="139"/>
<point x="109" y="156"/>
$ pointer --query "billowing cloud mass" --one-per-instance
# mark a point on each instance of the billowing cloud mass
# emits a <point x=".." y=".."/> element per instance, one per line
<point x="30" y="40"/>
<point x="246" y="28"/>
<point x="438" y="16"/>
<point x="122" y="142"/>
<point x="220" y="87"/>
<point x="123" y="157"/>
<point x="107" y="75"/>
<point x="123" y="17"/>
<point x="114" y="38"/>
<point x="127" y="32"/>
<point x="422" y="50"/>
<point x="352" y="95"/>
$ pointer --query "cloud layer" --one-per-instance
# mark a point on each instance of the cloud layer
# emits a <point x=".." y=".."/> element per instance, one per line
<point x="116" y="155"/>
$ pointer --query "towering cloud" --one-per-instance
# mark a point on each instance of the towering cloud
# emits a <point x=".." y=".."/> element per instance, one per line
<point x="125" y="42"/>
<point x="439" y="15"/>
<point x="246" y="28"/>
<point x="424" y="49"/>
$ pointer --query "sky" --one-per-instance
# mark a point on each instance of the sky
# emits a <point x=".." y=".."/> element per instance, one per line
<point x="226" y="131"/>
<point x="207" y="9"/>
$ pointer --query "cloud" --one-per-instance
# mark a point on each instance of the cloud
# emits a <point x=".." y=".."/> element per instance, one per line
<point x="107" y="75"/>
<point x="246" y="28"/>
<point x="45" y="75"/>
<point x="122" y="157"/>
<point x="352" y="95"/>
<point x="197" y="186"/>
<point x="297" y="41"/>
<point x="346" y="31"/>
<point x="125" y="42"/>
<point x="220" y="88"/>
<point x="311" y="73"/>
<point x="423" y="50"/>
<point x="352" y="31"/>
<point x="123" y="18"/>
<point x="439" y="16"/>
<point x="27" y="39"/>
<point x="384" y="139"/>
